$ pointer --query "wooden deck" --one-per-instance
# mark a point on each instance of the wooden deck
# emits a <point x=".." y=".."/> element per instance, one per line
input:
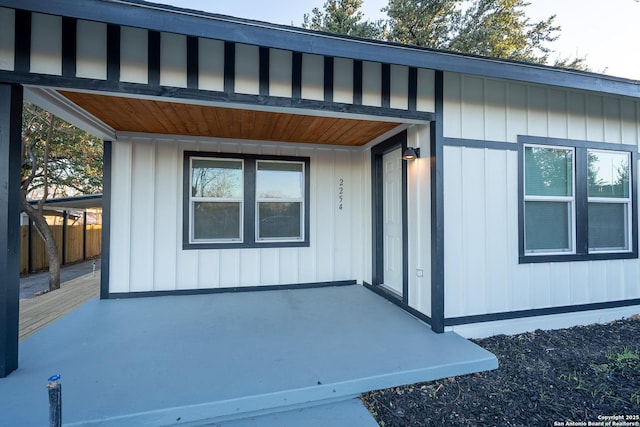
<point x="38" y="312"/>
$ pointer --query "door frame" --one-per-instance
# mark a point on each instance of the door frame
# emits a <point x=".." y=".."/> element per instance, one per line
<point x="377" y="237"/>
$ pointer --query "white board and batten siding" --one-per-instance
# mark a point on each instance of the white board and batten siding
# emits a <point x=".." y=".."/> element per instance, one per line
<point x="419" y="220"/>
<point x="7" y="39"/>
<point x="152" y="258"/>
<point x="482" y="273"/>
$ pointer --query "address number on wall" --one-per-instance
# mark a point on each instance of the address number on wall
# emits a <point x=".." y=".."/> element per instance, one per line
<point x="340" y="193"/>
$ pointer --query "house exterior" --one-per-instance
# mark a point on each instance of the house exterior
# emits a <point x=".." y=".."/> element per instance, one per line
<point x="241" y="155"/>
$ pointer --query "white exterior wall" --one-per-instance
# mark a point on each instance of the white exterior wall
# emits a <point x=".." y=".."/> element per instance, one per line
<point x="152" y="259"/>
<point x="91" y="59"/>
<point x="419" y="220"/>
<point x="7" y="39"/>
<point x="46" y="44"/>
<point x="482" y="274"/>
<point x="173" y="60"/>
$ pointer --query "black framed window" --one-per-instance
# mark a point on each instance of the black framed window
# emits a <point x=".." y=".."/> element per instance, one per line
<point x="235" y="201"/>
<point x="576" y="200"/>
<point x="216" y="199"/>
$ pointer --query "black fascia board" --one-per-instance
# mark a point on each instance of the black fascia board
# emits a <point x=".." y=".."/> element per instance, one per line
<point x="157" y="17"/>
<point x="83" y="197"/>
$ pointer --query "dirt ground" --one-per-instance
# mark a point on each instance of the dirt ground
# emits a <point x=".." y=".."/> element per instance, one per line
<point x="564" y="377"/>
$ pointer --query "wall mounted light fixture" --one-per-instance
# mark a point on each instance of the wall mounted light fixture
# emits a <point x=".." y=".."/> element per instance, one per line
<point x="411" y="153"/>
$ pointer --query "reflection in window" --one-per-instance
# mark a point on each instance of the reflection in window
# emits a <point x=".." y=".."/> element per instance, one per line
<point x="236" y="201"/>
<point x="549" y="199"/>
<point x="609" y="201"/>
<point x="216" y="199"/>
<point x="577" y="202"/>
<point x="279" y="200"/>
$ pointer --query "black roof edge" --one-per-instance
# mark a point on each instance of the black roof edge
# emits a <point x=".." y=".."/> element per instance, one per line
<point x="172" y="19"/>
<point x="72" y="200"/>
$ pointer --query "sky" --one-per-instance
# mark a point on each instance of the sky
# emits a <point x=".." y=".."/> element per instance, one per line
<point x="607" y="33"/>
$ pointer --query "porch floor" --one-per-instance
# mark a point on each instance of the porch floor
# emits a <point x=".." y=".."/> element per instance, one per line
<point x="190" y="360"/>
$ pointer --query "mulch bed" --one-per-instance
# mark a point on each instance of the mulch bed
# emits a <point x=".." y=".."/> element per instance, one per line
<point x="569" y="376"/>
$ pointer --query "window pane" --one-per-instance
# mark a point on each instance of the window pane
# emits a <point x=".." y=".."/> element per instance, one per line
<point x="216" y="220"/>
<point x="548" y="171"/>
<point x="279" y="220"/>
<point x="608" y="226"/>
<point x="216" y="178"/>
<point x="608" y="174"/>
<point x="547" y="226"/>
<point x="279" y="180"/>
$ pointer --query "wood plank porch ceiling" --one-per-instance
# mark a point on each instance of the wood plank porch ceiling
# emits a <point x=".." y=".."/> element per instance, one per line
<point x="172" y="118"/>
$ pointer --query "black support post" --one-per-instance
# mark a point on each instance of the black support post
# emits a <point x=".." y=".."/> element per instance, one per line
<point x="10" y="131"/>
<point x="106" y="221"/>
<point x="30" y="247"/>
<point x="65" y="223"/>
<point x="437" y="209"/>
<point x="84" y="236"/>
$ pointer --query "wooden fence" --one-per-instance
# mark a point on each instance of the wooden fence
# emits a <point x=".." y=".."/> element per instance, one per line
<point x="76" y="248"/>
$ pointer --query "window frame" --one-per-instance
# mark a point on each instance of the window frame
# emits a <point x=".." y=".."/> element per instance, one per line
<point x="618" y="201"/>
<point x="570" y="200"/>
<point x="581" y="201"/>
<point x="200" y="199"/>
<point x="249" y="204"/>
<point x="259" y="200"/>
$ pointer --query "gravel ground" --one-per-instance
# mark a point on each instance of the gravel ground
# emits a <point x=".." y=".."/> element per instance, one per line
<point x="565" y="377"/>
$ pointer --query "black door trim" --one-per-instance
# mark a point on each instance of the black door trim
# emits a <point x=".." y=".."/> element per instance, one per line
<point x="399" y="140"/>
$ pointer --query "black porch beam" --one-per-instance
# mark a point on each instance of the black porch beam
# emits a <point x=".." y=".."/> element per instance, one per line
<point x="10" y="150"/>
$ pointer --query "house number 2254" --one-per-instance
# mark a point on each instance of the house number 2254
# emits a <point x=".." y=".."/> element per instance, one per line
<point x="340" y="193"/>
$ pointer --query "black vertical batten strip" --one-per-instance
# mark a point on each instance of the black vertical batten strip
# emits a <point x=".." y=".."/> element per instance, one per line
<point x="105" y="250"/>
<point x="582" y="202"/>
<point x="328" y="79"/>
<point x="192" y="62"/>
<point x="186" y="211"/>
<point x="69" y="46"/>
<point x="113" y="52"/>
<point x="154" y="58"/>
<point x="437" y="208"/>
<point x="307" y="202"/>
<point x="413" y="89"/>
<point x="386" y="86"/>
<point x="229" y="67"/>
<point x="296" y="76"/>
<point x="249" y="205"/>
<point x="10" y="152"/>
<point x="521" y="172"/>
<point x="65" y="224"/>
<point x="23" y="41"/>
<point x="264" y="71"/>
<point x="357" y="82"/>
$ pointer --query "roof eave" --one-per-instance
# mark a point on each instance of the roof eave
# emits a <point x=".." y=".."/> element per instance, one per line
<point x="171" y="19"/>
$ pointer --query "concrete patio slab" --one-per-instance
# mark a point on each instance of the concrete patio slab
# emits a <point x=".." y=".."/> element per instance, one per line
<point x="211" y="358"/>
